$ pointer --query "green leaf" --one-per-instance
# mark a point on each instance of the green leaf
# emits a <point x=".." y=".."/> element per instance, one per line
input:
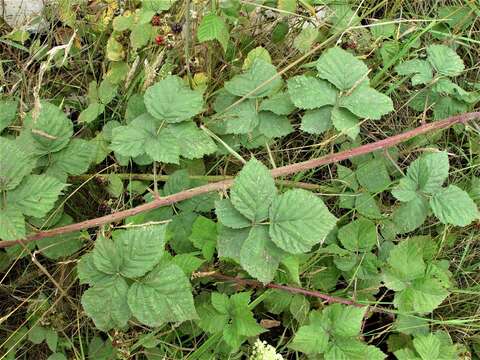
<point x="426" y="173"/>
<point x="204" y="235"/>
<point x="422" y="296"/>
<point x="51" y="130"/>
<point x="305" y="39"/>
<point x="253" y="191"/>
<point x="140" y="248"/>
<point x="452" y="205"/>
<point x="474" y="190"/>
<point x="88" y="272"/>
<point x="289" y="6"/>
<point x="230" y="242"/>
<point x="341" y="68"/>
<point x="410" y="215"/>
<point x="257" y="53"/>
<point x="12" y="223"/>
<point x="373" y="175"/>
<point x="213" y="27"/>
<point x="107" y="304"/>
<point x="317" y="121"/>
<point x="241" y="118"/>
<point x="299" y="220"/>
<point x="345" y="122"/>
<point x="366" y="102"/>
<point x="8" y="112"/>
<point x="172" y="100"/>
<point x="157" y="5"/>
<point x="192" y="142"/>
<point x="312" y="338"/>
<point x="273" y="126"/>
<point x="308" y="92"/>
<point x="259" y="76"/>
<point x="164" y="295"/>
<point x="107" y="257"/>
<point x="106" y="91"/>
<point x="14" y="164"/>
<point x="92" y="112"/>
<point x="75" y="159"/>
<point x="122" y="23"/>
<point x="359" y="235"/>
<point x="437" y="345"/>
<point x="36" y="195"/>
<point x="259" y="256"/>
<point x="367" y="206"/>
<point x="279" y="103"/>
<point x="421" y="70"/>
<point x="445" y="60"/>
<point x="140" y="35"/>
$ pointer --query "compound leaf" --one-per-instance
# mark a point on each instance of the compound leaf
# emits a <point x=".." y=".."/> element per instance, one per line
<point x="445" y="60"/>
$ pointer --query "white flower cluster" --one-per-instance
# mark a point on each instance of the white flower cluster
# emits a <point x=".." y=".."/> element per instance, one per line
<point x="263" y="351"/>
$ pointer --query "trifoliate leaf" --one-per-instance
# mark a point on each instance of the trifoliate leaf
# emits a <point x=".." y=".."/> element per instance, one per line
<point x="229" y="216"/>
<point x="334" y="333"/>
<point x="366" y="102"/>
<point x="8" y="112"/>
<point x="445" y="60"/>
<point x="308" y="92"/>
<point x="317" y="121"/>
<point x="14" y="164"/>
<point x="359" y="235"/>
<point x="75" y="159"/>
<point x="60" y="246"/>
<point x="51" y="129"/>
<point x="213" y="27"/>
<point x="341" y="68"/>
<point x="253" y="191"/>
<point x="299" y="220"/>
<point x="421" y="70"/>
<point x="36" y="195"/>
<point x="273" y="126"/>
<point x="107" y="304"/>
<point x="172" y="100"/>
<point x="373" y="175"/>
<point x="452" y="205"/>
<point x="428" y="172"/>
<point x="345" y="122"/>
<point x="259" y="256"/>
<point x="256" y="81"/>
<point x="141" y="249"/>
<point x="204" y="236"/>
<point x="12" y="223"/>
<point x="410" y="215"/>
<point x="279" y="103"/>
<point x="164" y="295"/>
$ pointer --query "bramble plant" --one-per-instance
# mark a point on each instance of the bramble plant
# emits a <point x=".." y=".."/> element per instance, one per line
<point x="258" y="182"/>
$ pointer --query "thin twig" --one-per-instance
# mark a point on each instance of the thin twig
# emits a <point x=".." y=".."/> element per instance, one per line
<point x="291" y="289"/>
<point x="225" y="184"/>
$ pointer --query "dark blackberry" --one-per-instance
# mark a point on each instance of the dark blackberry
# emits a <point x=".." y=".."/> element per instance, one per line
<point x="176" y="28"/>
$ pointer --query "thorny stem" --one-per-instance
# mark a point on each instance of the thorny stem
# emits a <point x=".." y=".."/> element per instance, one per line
<point x="290" y="289"/>
<point x="225" y="184"/>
